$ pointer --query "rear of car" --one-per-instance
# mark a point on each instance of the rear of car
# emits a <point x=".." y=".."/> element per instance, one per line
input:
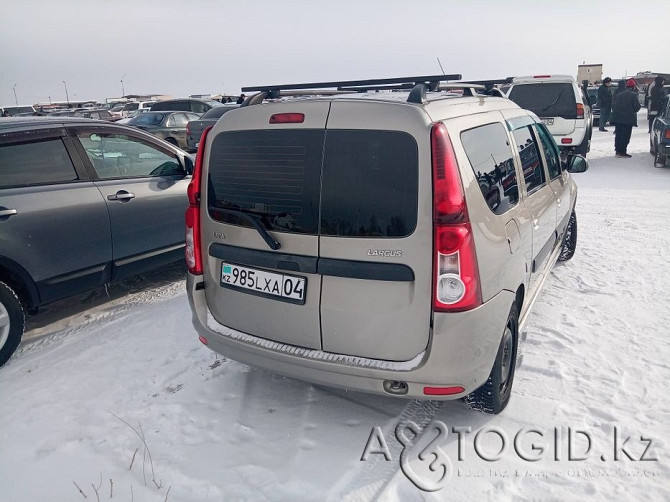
<point x="330" y="241"/>
<point x="560" y="104"/>
<point x="195" y="128"/>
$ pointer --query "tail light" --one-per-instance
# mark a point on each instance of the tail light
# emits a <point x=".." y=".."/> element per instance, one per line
<point x="188" y="129"/>
<point x="193" y="251"/>
<point x="456" y="284"/>
<point x="580" y="111"/>
<point x="667" y="134"/>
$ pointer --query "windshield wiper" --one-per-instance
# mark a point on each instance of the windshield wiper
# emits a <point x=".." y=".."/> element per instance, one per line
<point x="254" y="220"/>
<point x="555" y="101"/>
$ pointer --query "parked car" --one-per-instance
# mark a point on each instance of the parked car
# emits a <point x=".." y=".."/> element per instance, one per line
<point x="131" y="109"/>
<point x="387" y="242"/>
<point x="195" y="127"/>
<point x="660" y="135"/>
<point x="14" y="110"/>
<point x="171" y="126"/>
<point x="593" y="102"/>
<point x="117" y="110"/>
<point x="198" y="106"/>
<point x="562" y="106"/>
<point x="91" y="113"/>
<point x="82" y="203"/>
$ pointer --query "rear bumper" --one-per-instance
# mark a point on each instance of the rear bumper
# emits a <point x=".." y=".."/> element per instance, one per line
<point x="461" y="351"/>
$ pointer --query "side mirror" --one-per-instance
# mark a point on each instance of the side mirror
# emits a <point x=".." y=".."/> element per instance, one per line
<point x="187" y="161"/>
<point x="577" y="164"/>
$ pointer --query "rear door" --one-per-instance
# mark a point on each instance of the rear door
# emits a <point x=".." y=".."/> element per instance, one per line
<point x="53" y="220"/>
<point x="553" y="102"/>
<point x="264" y="177"/>
<point x="375" y="251"/>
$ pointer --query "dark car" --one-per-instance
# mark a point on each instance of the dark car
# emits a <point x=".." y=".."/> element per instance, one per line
<point x="593" y="102"/>
<point x="170" y="126"/>
<point x="198" y="106"/>
<point x="82" y="203"/>
<point x="660" y="135"/>
<point x="195" y="127"/>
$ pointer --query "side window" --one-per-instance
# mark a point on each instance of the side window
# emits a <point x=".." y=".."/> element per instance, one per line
<point x="491" y="158"/>
<point x="122" y="156"/>
<point x="172" y="120"/>
<point x="550" y="151"/>
<point x="198" y="107"/>
<point x="35" y="163"/>
<point x="533" y="173"/>
<point x="179" y="119"/>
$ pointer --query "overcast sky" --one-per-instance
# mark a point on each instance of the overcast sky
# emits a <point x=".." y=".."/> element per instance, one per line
<point x="183" y="47"/>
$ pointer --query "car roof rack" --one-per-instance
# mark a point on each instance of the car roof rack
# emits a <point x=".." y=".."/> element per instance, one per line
<point x="418" y="86"/>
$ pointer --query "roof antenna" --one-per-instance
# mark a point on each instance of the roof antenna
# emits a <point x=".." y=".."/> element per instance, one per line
<point x="438" y="62"/>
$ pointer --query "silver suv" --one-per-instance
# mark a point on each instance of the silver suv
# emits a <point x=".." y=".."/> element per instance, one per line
<point x="384" y="241"/>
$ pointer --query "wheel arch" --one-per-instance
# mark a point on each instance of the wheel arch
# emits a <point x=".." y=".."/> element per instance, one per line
<point x="16" y="277"/>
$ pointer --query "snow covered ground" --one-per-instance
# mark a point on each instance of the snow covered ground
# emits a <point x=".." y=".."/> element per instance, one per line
<point x="112" y="392"/>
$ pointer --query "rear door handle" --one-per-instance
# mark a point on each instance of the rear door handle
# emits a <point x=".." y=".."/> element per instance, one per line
<point x="122" y="196"/>
<point x="7" y="212"/>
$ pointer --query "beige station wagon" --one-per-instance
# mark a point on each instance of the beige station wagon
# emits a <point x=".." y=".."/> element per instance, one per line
<point x="390" y="239"/>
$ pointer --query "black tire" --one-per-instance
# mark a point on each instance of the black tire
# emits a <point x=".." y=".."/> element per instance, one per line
<point x="493" y="396"/>
<point x="585" y="146"/>
<point x="659" y="159"/>
<point x="12" y="322"/>
<point x="569" y="240"/>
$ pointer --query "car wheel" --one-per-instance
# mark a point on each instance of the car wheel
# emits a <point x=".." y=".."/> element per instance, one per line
<point x="659" y="159"/>
<point x="493" y="396"/>
<point x="585" y="146"/>
<point x="12" y="322"/>
<point x="569" y="240"/>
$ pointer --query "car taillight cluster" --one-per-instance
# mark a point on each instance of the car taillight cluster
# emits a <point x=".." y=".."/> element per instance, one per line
<point x="456" y="284"/>
<point x="193" y="252"/>
<point x="580" y="111"/>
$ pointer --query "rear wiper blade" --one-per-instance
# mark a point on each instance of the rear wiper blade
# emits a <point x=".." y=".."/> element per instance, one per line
<point x="255" y="221"/>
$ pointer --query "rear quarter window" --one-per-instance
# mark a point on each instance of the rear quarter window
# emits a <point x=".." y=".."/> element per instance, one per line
<point x="37" y="163"/>
<point x="492" y="161"/>
<point x="546" y="99"/>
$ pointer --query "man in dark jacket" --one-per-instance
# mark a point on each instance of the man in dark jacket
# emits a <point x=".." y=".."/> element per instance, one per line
<point x="604" y="103"/>
<point x="624" y="117"/>
<point x="655" y="103"/>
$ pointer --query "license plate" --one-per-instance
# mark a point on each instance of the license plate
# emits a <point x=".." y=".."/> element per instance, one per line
<point x="548" y="121"/>
<point x="289" y="288"/>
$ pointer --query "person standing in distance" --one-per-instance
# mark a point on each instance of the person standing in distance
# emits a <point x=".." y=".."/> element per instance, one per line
<point x="604" y="103"/>
<point x="624" y="117"/>
<point x="655" y="103"/>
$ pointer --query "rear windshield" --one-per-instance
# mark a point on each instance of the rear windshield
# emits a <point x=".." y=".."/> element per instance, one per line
<point x="337" y="183"/>
<point x="217" y="112"/>
<point x="546" y="99"/>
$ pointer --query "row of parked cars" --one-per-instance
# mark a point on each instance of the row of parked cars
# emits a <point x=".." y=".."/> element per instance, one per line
<point x="375" y="241"/>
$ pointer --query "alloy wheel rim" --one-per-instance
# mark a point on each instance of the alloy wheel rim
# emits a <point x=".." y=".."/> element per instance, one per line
<point x="5" y="325"/>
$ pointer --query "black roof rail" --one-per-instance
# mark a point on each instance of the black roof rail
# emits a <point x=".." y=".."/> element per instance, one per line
<point x="355" y="83"/>
<point x="419" y="86"/>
